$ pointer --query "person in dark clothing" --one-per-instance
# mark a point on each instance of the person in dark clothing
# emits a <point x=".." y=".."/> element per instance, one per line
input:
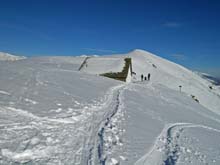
<point x="142" y="77"/>
<point x="145" y="78"/>
<point x="148" y="77"/>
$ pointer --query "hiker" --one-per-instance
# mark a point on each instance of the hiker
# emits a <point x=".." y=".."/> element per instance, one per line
<point x="142" y="77"/>
<point x="148" y="77"/>
<point x="145" y="78"/>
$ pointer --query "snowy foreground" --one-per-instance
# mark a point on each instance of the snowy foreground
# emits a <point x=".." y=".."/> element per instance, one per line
<point x="54" y="110"/>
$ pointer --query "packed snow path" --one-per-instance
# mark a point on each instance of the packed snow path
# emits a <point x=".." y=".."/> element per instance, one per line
<point x="172" y="145"/>
<point x="168" y="148"/>
<point x="94" y="147"/>
<point x="175" y="143"/>
<point x="101" y="149"/>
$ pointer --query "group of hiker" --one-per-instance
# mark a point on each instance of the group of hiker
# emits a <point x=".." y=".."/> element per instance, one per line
<point x="144" y="78"/>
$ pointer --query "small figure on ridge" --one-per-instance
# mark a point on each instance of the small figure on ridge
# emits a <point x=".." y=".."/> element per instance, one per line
<point x="148" y="77"/>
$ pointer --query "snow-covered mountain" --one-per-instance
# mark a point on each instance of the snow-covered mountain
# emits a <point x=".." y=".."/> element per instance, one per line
<point x="9" y="57"/>
<point x="58" y="110"/>
<point x="162" y="72"/>
<point x="173" y="75"/>
<point x="209" y="77"/>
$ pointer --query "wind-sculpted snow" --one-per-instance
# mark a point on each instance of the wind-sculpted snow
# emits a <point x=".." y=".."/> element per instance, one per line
<point x="32" y="86"/>
<point x="183" y="143"/>
<point x="150" y="111"/>
<point x="45" y="109"/>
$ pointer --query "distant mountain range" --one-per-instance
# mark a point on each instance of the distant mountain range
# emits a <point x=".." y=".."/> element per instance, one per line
<point x="214" y="80"/>
<point x="210" y="78"/>
<point x="10" y="57"/>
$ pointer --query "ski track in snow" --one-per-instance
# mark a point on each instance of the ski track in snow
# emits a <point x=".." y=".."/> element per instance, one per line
<point x="82" y="155"/>
<point x="101" y="133"/>
<point x="93" y="151"/>
<point x="170" y="148"/>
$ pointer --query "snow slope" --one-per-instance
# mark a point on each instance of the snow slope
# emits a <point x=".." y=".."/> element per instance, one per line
<point x="52" y="113"/>
<point x="163" y="126"/>
<point x="9" y="57"/>
<point x="173" y="75"/>
<point x="99" y="65"/>
<point x="209" y="77"/>
<point x="45" y="110"/>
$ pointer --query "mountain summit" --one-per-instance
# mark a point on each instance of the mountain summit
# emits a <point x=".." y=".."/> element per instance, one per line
<point x="162" y="71"/>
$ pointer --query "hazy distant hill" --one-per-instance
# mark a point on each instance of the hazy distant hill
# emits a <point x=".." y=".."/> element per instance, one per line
<point x="9" y="57"/>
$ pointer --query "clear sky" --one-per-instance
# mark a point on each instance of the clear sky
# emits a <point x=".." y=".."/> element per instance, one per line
<point x="184" y="31"/>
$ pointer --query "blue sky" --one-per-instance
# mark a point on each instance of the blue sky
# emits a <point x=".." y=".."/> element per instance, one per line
<point x="184" y="31"/>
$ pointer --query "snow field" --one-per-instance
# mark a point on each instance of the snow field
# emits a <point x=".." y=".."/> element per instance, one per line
<point x="50" y="113"/>
<point x="156" y="122"/>
<point x="173" y="75"/>
<point x="100" y="65"/>
<point x="46" y="112"/>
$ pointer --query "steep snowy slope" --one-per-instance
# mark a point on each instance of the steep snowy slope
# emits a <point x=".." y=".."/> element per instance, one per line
<point x="9" y="57"/>
<point x="173" y="75"/>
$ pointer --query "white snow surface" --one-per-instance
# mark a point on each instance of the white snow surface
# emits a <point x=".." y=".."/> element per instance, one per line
<point x="52" y="113"/>
<point x="173" y="75"/>
<point x="10" y="57"/>
<point x="99" y="65"/>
